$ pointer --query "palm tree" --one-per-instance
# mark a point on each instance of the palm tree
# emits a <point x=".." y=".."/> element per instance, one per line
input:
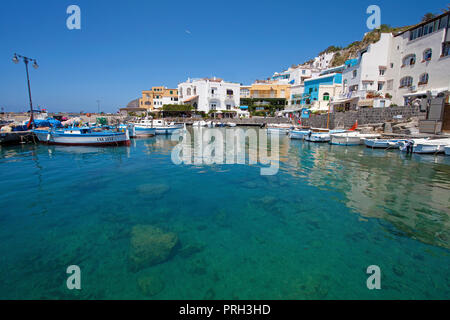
<point x="444" y="10"/>
<point x="428" y="16"/>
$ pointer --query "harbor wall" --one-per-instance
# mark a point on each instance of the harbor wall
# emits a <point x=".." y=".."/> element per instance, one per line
<point x="364" y="116"/>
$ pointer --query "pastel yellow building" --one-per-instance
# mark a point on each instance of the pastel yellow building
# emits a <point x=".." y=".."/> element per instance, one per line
<point x="270" y="89"/>
<point x="157" y="97"/>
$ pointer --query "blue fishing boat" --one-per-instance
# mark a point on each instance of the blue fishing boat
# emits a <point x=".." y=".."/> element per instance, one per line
<point x="84" y="136"/>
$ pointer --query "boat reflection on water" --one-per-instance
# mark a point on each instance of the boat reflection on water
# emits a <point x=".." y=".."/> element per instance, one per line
<point x="410" y="193"/>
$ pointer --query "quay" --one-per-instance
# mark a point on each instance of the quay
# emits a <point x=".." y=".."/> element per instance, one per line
<point x="18" y="137"/>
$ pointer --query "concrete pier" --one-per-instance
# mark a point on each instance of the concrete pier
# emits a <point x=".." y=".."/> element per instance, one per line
<point x="17" y="137"/>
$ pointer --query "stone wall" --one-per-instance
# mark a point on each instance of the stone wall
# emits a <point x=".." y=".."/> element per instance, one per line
<point x="364" y="116"/>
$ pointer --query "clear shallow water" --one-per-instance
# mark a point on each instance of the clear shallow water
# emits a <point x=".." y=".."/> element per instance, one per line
<point x="308" y="232"/>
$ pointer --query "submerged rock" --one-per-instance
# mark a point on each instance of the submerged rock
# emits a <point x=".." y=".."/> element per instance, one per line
<point x="149" y="246"/>
<point x="155" y="191"/>
<point x="191" y="249"/>
<point x="150" y="285"/>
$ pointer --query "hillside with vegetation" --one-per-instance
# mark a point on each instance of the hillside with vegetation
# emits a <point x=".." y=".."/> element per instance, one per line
<point x="342" y="54"/>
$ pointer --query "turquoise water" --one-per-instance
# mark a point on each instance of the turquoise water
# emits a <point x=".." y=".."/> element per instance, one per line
<point x="309" y="232"/>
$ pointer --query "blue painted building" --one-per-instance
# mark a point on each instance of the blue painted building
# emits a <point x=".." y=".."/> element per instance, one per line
<point x="313" y="88"/>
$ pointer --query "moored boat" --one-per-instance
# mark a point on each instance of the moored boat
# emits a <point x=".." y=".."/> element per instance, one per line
<point x="144" y="128"/>
<point x="447" y="150"/>
<point x="84" y="136"/>
<point x="200" y="123"/>
<point x="163" y="128"/>
<point x="283" y="128"/>
<point x="424" y="146"/>
<point x="351" y="138"/>
<point x="383" y="143"/>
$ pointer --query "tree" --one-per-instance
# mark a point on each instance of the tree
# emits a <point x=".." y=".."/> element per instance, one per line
<point x="444" y="10"/>
<point x="428" y="16"/>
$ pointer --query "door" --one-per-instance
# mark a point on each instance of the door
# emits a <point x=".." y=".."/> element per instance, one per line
<point x="446" y="118"/>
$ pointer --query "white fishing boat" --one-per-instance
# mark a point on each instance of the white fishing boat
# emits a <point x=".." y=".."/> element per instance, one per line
<point x="199" y="124"/>
<point x="424" y="146"/>
<point x="318" y="137"/>
<point x="163" y="127"/>
<point x="84" y="136"/>
<point x="298" y="133"/>
<point x="144" y="128"/>
<point x="281" y="128"/>
<point x="231" y="124"/>
<point x="383" y="143"/>
<point x="351" y="138"/>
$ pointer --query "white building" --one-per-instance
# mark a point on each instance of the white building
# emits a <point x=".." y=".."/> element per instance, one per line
<point x="296" y="74"/>
<point x="209" y="94"/>
<point x="323" y="61"/>
<point x="297" y="91"/>
<point x="419" y="61"/>
<point x="364" y="78"/>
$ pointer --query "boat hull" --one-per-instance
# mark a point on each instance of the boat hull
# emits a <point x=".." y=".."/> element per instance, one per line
<point x="278" y="130"/>
<point x="167" y="130"/>
<point x="297" y="134"/>
<point x="382" y="144"/>
<point x="318" y="137"/>
<point x="447" y="150"/>
<point x="61" y="138"/>
<point x="144" y="131"/>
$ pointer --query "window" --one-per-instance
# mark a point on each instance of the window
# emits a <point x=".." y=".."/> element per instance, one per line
<point x="326" y="96"/>
<point x="382" y="71"/>
<point x="195" y="90"/>
<point x="406" y="82"/>
<point x="392" y="65"/>
<point x="443" y="22"/>
<point x="427" y="54"/>
<point x="380" y="86"/>
<point x="188" y="91"/>
<point x="445" y="49"/>
<point x="423" y="78"/>
<point x="171" y="92"/>
<point x="228" y="107"/>
<point x="409" y="60"/>
<point x="213" y="106"/>
<point x="390" y="84"/>
<point x="428" y="28"/>
<point x="355" y="73"/>
<point x="229" y="92"/>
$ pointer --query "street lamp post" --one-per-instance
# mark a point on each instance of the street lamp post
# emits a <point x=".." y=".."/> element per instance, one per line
<point x="26" y="60"/>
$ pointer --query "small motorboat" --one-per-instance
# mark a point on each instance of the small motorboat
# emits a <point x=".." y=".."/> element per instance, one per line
<point x="318" y="137"/>
<point x="383" y="143"/>
<point x="283" y="128"/>
<point x="298" y="133"/>
<point x="144" y="128"/>
<point x="424" y="146"/>
<point x="163" y="128"/>
<point x="84" y="136"/>
<point x="231" y="124"/>
<point x="201" y="123"/>
<point x="351" y="138"/>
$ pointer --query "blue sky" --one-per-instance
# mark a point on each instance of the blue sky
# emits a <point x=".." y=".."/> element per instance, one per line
<point x="124" y="47"/>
